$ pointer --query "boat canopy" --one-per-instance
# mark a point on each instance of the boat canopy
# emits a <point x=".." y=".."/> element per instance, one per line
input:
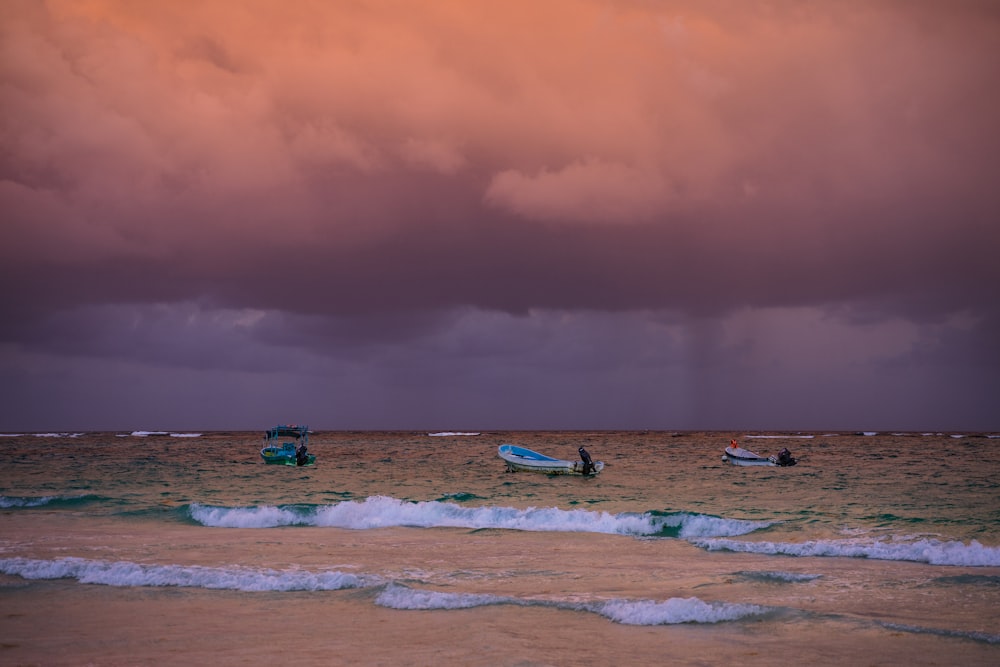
<point x="287" y="431"/>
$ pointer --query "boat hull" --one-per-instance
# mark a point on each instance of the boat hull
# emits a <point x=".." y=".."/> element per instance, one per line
<point x="521" y="459"/>
<point x="279" y="456"/>
<point x="744" y="457"/>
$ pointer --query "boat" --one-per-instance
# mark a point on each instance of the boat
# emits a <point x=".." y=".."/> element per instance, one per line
<point x="280" y="446"/>
<point x="744" y="457"/>
<point x="522" y="459"/>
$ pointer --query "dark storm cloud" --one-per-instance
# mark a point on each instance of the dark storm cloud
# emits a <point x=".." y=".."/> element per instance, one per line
<point x="244" y="187"/>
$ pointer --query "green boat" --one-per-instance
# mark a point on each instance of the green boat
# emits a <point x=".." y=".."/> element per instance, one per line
<point x="286" y="444"/>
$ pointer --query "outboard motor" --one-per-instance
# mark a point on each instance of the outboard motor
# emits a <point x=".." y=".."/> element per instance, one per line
<point x="785" y="458"/>
<point x="588" y="464"/>
<point x="301" y="456"/>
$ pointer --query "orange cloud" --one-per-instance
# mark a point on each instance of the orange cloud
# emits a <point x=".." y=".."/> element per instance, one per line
<point x="312" y="119"/>
<point x="589" y="191"/>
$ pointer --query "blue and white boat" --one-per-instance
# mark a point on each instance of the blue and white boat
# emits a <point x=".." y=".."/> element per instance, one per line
<point x="526" y="460"/>
<point x="744" y="457"/>
<point x="286" y="444"/>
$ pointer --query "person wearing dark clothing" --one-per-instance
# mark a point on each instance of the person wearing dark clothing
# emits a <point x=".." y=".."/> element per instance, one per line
<point x="301" y="455"/>
<point x="588" y="464"/>
<point x="785" y="458"/>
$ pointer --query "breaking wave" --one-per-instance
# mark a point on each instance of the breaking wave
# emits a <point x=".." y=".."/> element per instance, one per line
<point x="931" y="551"/>
<point x="124" y="573"/>
<point x="626" y="612"/>
<point x="777" y="577"/>
<point x="383" y="512"/>
<point x="392" y="595"/>
<point x="676" y="610"/>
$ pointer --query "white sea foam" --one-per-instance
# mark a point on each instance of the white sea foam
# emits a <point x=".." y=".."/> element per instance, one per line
<point x="797" y="436"/>
<point x="931" y="551"/>
<point x="627" y="612"/>
<point x="702" y="525"/>
<point x="383" y="512"/>
<point x="451" y="433"/>
<point x="392" y="596"/>
<point x="395" y="596"/>
<point x="124" y="573"/>
<point x="676" y="610"/>
<point x="245" y="517"/>
<point x="779" y="576"/>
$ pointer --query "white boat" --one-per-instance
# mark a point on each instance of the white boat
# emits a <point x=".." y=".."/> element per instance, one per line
<point x="526" y="460"/>
<point x="744" y="457"/>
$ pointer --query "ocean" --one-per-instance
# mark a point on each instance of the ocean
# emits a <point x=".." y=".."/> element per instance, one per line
<point x="413" y="548"/>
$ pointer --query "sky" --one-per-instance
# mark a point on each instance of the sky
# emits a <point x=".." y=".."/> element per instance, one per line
<point x="477" y="215"/>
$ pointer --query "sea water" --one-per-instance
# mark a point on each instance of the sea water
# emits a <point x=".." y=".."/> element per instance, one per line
<point x="417" y="548"/>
